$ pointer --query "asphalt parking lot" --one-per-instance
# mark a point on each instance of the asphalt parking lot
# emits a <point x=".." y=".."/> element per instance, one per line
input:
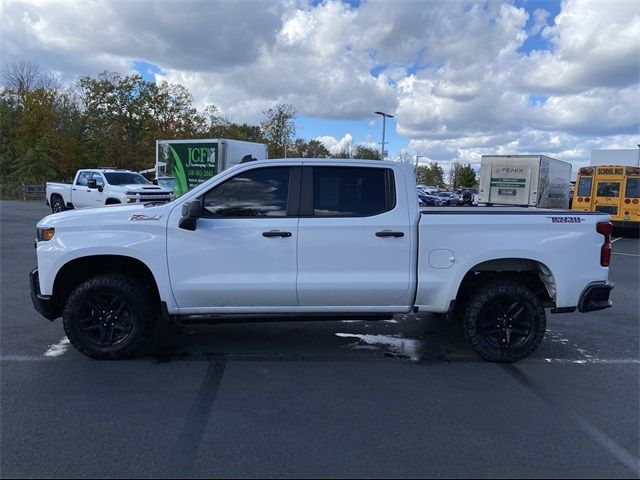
<point x="398" y="398"/>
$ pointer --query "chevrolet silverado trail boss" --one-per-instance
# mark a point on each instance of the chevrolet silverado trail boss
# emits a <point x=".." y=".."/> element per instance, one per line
<point x="317" y="238"/>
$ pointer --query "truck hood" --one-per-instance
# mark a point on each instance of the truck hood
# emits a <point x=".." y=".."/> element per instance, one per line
<point x="109" y="215"/>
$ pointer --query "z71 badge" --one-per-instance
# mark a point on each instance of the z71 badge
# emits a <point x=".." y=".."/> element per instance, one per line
<point x="142" y="216"/>
<point x="566" y="219"/>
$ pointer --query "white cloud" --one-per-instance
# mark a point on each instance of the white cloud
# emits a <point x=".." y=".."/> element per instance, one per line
<point x="595" y="44"/>
<point x="541" y="17"/>
<point x="335" y="145"/>
<point x="453" y="73"/>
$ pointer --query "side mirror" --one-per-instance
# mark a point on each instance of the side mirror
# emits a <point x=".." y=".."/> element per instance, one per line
<point x="190" y="213"/>
<point x="91" y="183"/>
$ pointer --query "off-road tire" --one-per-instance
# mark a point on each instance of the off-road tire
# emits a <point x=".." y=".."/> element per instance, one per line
<point x="57" y="204"/>
<point x="138" y="301"/>
<point x="476" y="305"/>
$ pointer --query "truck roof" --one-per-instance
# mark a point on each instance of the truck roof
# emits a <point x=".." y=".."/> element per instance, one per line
<point x="330" y="161"/>
<point x="107" y="169"/>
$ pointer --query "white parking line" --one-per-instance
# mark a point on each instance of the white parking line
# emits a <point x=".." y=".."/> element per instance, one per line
<point x="627" y="254"/>
<point x="58" y="349"/>
<point x="614" y="240"/>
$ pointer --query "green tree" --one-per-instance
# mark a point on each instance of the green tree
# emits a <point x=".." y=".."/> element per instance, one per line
<point x="310" y="149"/>
<point x="467" y="177"/>
<point x="431" y="175"/>
<point x="278" y="128"/>
<point x="366" y="153"/>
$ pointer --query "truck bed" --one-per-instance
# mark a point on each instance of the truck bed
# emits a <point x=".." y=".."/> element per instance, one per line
<point x="454" y="241"/>
<point x="503" y="210"/>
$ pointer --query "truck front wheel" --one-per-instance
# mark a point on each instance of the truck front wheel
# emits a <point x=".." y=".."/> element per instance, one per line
<point x="109" y="316"/>
<point x="504" y="321"/>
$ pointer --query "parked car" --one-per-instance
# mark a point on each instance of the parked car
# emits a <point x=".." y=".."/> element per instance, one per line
<point x="428" y="190"/>
<point x="318" y="238"/>
<point x="104" y="186"/>
<point x="450" y="198"/>
<point x="430" y="200"/>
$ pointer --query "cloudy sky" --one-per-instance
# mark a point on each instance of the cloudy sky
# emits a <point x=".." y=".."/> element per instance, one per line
<point x="463" y="78"/>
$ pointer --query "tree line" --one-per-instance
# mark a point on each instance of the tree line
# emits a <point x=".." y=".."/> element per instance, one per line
<point x="433" y="175"/>
<point x="48" y="131"/>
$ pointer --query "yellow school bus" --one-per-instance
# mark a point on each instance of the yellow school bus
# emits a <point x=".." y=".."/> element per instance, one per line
<point x="612" y="189"/>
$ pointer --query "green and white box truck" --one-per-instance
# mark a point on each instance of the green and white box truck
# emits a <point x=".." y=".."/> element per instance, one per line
<point x="184" y="164"/>
<point x="524" y="180"/>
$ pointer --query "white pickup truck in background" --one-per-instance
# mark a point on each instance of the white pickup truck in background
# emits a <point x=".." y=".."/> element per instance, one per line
<point x="317" y="237"/>
<point x="104" y="186"/>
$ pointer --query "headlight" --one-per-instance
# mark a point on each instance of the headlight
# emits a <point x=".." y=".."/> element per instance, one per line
<point x="44" y="234"/>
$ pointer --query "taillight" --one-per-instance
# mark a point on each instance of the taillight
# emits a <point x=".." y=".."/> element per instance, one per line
<point x="635" y="201"/>
<point x="580" y="199"/>
<point x="587" y="199"/>
<point x="627" y="201"/>
<point x="605" y="228"/>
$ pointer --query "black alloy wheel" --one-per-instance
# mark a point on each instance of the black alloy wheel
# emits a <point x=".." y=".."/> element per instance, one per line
<point x="504" y="321"/>
<point x="110" y="316"/>
<point x="105" y="319"/>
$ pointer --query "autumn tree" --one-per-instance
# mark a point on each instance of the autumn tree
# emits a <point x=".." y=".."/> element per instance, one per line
<point x="278" y="128"/>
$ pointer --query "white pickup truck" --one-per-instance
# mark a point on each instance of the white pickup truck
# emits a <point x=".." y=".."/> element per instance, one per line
<point x="104" y="186"/>
<point x="330" y="238"/>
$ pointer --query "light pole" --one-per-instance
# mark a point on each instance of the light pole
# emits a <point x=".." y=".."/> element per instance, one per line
<point x="384" y="124"/>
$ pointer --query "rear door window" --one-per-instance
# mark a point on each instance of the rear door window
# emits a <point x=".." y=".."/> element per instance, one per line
<point x="633" y="188"/>
<point x="608" y="189"/>
<point x="584" y="186"/>
<point x="352" y="191"/>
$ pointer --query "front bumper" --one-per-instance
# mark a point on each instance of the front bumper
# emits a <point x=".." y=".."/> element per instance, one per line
<point x="43" y="304"/>
<point x="596" y="297"/>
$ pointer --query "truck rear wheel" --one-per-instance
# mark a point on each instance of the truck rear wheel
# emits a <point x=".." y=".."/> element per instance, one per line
<point x="57" y="204"/>
<point x="504" y="321"/>
<point x="109" y="316"/>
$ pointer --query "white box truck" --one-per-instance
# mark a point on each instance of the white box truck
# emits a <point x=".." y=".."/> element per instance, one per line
<point x="184" y="164"/>
<point x="524" y="180"/>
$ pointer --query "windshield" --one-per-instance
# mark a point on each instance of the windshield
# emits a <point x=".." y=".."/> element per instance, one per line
<point x="125" y="178"/>
<point x="167" y="182"/>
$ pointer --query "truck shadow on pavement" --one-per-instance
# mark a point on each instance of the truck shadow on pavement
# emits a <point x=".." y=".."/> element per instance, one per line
<point x="418" y="338"/>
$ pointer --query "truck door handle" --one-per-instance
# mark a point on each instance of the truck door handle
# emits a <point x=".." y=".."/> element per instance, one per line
<point x="389" y="233"/>
<point x="275" y="233"/>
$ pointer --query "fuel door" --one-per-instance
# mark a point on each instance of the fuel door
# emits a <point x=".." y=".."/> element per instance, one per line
<point x="441" y="258"/>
